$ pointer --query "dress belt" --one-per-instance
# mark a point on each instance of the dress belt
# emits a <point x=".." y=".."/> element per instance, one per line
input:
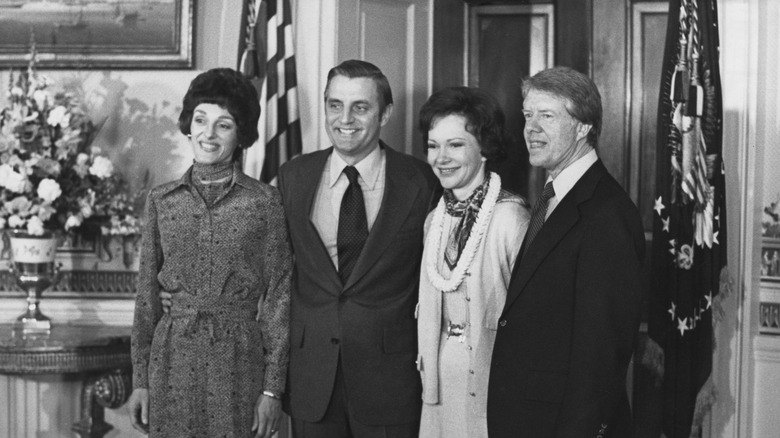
<point x="211" y="319"/>
<point x="451" y="329"/>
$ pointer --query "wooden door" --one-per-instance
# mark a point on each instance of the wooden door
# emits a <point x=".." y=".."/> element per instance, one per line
<point x="395" y="36"/>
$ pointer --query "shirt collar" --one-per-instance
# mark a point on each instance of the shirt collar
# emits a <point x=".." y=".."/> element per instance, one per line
<point x="369" y="167"/>
<point x="238" y="178"/>
<point x="569" y="176"/>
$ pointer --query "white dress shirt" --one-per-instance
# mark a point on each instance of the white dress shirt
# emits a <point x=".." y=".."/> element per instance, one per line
<point x="569" y="176"/>
<point x="333" y="184"/>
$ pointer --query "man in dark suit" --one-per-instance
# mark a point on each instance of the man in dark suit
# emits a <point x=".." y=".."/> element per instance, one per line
<point x="355" y="213"/>
<point x="567" y="331"/>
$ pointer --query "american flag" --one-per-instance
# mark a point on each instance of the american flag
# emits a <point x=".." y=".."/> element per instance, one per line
<point x="689" y="224"/>
<point x="268" y="59"/>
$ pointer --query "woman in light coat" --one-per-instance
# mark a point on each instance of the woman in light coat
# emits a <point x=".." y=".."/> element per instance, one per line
<point x="472" y="240"/>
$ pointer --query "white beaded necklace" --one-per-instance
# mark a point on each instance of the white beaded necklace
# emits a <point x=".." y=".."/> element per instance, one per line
<point x="475" y="237"/>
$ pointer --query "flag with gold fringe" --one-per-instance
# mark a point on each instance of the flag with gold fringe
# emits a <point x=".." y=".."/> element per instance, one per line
<point x="268" y="58"/>
<point x="689" y="223"/>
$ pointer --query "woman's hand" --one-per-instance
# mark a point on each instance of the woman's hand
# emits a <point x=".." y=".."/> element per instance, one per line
<point x="138" y="406"/>
<point x="166" y="299"/>
<point x="267" y="413"/>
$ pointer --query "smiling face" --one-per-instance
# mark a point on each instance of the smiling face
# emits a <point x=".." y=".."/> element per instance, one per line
<point x="455" y="156"/>
<point x="213" y="134"/>
<point x="353" y="116"/>
<point x="554" y="138"/>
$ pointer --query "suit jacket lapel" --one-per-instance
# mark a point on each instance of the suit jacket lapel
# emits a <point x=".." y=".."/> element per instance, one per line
<point x="302" y="219"/>
<point x="561" y="220"/>
<point x="397" y="201"/>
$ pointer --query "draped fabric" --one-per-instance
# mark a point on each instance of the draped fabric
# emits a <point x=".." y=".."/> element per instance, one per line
<point x="268" y="58"/>
<point x="689" y="223"/>
<point x="467" y="211"/>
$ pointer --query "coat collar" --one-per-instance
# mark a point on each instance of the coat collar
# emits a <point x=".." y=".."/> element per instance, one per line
<point x="561" y="220"/>
<point x="397" y="201"/>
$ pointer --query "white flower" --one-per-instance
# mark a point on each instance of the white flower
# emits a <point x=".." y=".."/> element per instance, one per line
<point x="11" y="180"/>
<point x="35" y="226"/>
<point x="42" y="98"/>
<point x="85" y="207"/>
<point x="14" y="221"/>
<point x="45" y="81"/>
<point x="49" y="190"/>
<point x="73" y="221"/>
<point x="59" y="116"/>
<point x="46" y="211"/>
<point x="82" y="159"/>
<point x="102" y="167"/>
<point x="17" y="92"/>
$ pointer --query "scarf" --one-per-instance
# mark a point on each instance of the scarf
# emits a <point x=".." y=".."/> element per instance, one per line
<point x="467" y="211"/>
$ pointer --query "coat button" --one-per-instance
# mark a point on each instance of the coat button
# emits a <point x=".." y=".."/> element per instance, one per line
<point x="472" y="394"/>
<point x="334" y="341"/>
<point x="502" y="323"/>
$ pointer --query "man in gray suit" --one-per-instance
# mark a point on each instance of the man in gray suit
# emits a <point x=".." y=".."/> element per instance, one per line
<point x="355" y="213"/>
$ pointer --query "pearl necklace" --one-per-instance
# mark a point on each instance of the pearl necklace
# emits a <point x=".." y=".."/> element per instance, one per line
<point x="475" y="237"/>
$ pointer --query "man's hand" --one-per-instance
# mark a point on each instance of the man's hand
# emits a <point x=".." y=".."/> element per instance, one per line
<point x="267" y="413"/>
<point x="138" y="406"/>
<point x="166" y="299"/>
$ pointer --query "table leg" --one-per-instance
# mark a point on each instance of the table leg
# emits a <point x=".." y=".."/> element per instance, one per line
<point x="108" y="390"/>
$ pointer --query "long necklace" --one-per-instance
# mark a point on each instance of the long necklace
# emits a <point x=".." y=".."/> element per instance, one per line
<point x="475" y="237"/>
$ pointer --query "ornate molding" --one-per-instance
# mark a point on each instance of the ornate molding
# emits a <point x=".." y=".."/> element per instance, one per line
<point x="769" y="318"/>
<point x="79" y="283"/>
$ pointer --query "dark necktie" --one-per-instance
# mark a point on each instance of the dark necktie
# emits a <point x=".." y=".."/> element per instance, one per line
<point x="537" y="215"/>
<point x="353" y="227"/>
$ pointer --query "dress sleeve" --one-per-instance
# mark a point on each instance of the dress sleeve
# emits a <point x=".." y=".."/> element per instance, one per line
<point x="275" y="305"/>
<point x="512" y="220"/>
<point x="148" y="309"/>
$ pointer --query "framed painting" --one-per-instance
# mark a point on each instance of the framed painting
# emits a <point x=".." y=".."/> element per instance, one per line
<point x="770" y="259"/>
<point x="97" y="34"/>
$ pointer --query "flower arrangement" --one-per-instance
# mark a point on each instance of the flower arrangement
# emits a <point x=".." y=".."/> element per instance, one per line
<point x="51" y="177"/>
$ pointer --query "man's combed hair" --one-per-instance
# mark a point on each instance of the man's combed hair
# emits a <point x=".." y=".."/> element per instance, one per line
<point x="582" y="95"/>
<point x="355" y="68"/>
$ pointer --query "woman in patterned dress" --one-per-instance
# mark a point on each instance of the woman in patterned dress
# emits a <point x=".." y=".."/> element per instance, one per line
<point x="472" y="240"/>
<point x="213" y="364"/>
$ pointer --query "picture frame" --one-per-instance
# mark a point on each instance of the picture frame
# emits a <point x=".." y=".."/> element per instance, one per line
<point x="97" y="34"/>
<point x="770" y="259"/>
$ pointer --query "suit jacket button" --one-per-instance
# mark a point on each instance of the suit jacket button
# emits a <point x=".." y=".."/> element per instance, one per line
<point x="502" y="323"/>
<point x="334" y="341"/>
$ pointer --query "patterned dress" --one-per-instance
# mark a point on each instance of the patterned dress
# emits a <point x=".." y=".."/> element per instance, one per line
<point x="227" y="263"/>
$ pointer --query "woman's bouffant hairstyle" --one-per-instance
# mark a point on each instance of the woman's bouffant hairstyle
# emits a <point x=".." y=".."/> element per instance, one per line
<point x="583" y="101"/>
<point x="355" y="68"/>
<point x="231" y="90"/>
<point x="483" y="114"/>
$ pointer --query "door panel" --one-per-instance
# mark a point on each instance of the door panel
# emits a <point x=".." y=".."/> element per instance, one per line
<point x="393" y="35"/>
<point x="508" y="43"/>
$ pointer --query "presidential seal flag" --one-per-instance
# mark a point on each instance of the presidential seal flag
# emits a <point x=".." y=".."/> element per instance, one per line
<point x="268" y="58"/>
<point x="689" y="221"/>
